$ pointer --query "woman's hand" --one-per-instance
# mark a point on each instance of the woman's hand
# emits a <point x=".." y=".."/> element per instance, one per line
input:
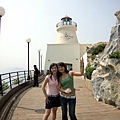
<point x="82" y="62"/>
<point x="68" y="90"/>
<point x="46" y="99"/>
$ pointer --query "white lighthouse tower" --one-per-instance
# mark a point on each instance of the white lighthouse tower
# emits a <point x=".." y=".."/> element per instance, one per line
<point x="66" y="31"/>
<point x="66" y="49"/>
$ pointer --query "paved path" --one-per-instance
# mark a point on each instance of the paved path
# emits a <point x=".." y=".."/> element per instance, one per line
<point x="31" y="105"/>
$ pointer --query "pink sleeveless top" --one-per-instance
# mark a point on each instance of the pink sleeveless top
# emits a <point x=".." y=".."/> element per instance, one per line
<point x="52" y="86"/>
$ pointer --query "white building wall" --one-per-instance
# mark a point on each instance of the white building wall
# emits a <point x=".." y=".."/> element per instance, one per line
<point x="67" y="53"/>
<point x="83" y="49"/>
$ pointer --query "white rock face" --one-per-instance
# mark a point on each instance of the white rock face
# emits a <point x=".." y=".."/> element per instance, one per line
<point x="117" y="14"/>
<point x="106" y="77"/>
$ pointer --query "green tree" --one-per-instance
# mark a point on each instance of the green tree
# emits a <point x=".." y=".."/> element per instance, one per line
<point x="88" y="71"/>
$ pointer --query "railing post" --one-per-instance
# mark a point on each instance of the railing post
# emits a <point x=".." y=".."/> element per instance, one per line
<point x="1" y="91"/>
<point x="25" y="76"/>
<point x="30" y="75"/>
<point x="10" y="81"/>
<point x="18" y="78"/>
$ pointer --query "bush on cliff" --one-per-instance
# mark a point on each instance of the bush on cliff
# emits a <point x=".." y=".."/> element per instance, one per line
<point x="114" y="55"/>
<point x="88" y="71"/>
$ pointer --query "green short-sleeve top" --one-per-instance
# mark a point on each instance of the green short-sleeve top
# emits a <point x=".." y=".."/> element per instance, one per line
<point x="68" y="83"/>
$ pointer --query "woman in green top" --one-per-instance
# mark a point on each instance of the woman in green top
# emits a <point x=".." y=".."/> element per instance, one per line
<point x="67" y="90"/>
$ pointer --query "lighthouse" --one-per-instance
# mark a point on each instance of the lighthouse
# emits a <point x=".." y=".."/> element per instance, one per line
<point x="66" y="31"/>
<point x="67" y="49"/>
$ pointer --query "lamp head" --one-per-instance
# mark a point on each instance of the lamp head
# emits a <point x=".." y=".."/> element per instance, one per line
<point x="2" y="11"/>
<point x="28" y="40"/>
<point x="39" y="50"/>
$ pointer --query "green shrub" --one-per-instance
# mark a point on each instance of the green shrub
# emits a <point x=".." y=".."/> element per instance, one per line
<point x="92" y="57"/>
<point x="98" y="49"/>
<point x="4" y="86"/>
<point x="115" y="55"/>
<point x="88" y="71"/>
<point x="15" y="81"/>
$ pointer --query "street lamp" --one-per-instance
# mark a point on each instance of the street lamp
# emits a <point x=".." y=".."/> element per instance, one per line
<point x="39" y="57"/>
<point x="28" y="41"/>
<point x="41" y="63"/>
<point x="2" y="12"/>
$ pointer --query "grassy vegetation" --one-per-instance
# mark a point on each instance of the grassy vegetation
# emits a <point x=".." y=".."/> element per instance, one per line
<point x="95" y="51"/>
<point x="114" y="55"/>
<point x="5" y="86"/>
<point x="16" y="81"/>
<point x="98" y="49"/>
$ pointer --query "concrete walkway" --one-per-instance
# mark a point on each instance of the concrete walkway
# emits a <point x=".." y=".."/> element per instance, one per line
<point x="30" y="105"/>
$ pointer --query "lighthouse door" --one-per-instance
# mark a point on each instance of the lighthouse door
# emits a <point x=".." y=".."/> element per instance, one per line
<point x="69" y="66"/>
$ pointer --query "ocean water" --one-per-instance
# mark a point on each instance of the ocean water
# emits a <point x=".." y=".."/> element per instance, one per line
<point x="8" y="70"/>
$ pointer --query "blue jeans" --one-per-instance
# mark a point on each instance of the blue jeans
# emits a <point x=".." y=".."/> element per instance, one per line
<point x="72" y="103"/>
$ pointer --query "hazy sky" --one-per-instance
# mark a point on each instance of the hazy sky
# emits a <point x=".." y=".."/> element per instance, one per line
<point x="37" y="19"/>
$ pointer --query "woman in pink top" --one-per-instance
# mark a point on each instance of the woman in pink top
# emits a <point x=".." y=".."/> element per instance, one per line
<point x="52" y="97"/>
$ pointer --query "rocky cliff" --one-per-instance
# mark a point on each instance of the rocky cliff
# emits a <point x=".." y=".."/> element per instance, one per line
<point x="106" y="78"/>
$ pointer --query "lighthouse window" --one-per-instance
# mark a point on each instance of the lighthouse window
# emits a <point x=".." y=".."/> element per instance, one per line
<point x="68" y="22"/>
<point x="65" y="23"/>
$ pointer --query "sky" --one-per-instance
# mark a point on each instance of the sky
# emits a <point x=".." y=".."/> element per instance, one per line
<point x="37" y="19"/>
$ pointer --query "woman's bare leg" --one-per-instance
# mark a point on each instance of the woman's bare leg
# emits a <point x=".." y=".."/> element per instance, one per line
<point x="46" y="115"/>
<point x="54" y="112"/>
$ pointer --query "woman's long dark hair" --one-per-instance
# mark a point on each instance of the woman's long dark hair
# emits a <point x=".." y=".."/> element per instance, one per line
<point x="62" y="64"/>
<point x="51" y="73"/>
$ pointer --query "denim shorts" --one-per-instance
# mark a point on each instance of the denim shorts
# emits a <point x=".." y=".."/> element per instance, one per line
<point x="54" y="102"/>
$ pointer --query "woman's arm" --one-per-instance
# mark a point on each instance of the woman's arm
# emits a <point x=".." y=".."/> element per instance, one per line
<point x="63" y="91"/>
<point x="60" y="88"/>
<point x="44" y="85"/>
<point x="73" y="73"/>
<point x="82" y="66"/>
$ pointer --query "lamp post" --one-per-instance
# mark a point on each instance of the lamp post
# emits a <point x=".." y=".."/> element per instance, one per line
<point x="41" y="63"/>
<point x="28" y="41"/>
<point x="2" y="12"/>
<point x="39" y="57"/>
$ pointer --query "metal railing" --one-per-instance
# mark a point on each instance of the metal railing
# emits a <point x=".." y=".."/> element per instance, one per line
<point x="65" y="23"/>
<point x="8" y="81"/>
<point x="12" y="85"/>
